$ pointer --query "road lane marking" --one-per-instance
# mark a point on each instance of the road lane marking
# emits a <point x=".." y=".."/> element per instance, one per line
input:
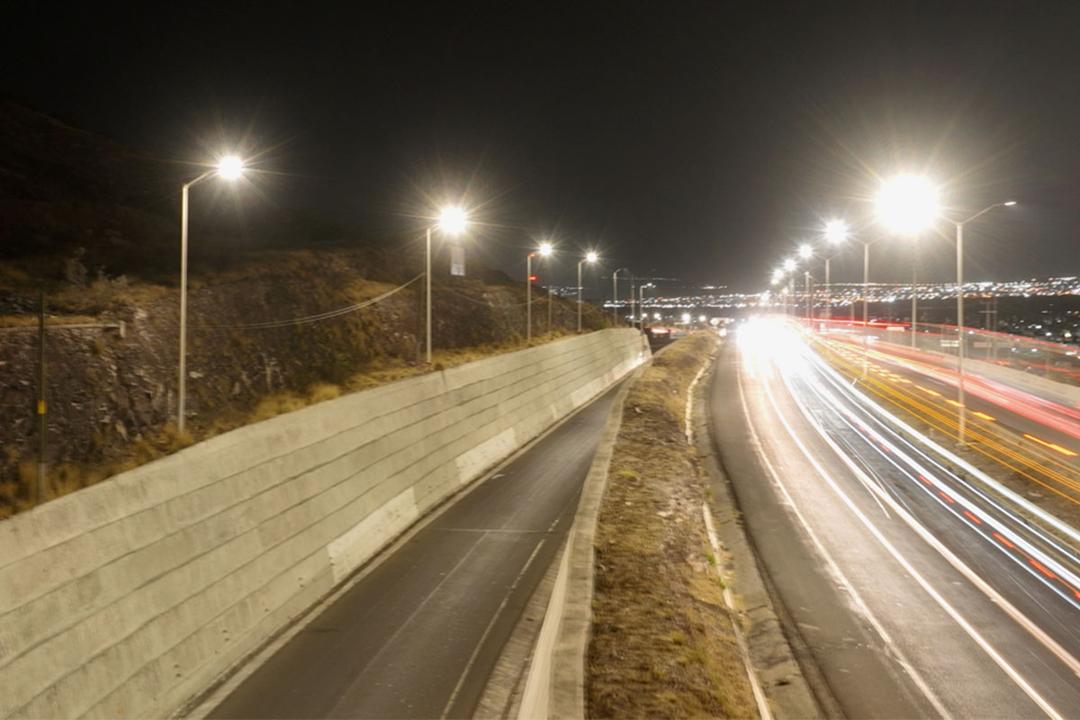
<point x="953" y="560"/>
<point x="836" y="573"/>
<point x="764" y="713"/>
<point x="1052" y="446"/>
<point x="1027" y="549"/>
<point x="487" y="630"/>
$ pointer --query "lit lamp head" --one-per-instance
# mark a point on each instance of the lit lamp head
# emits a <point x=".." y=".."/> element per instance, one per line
<point x="907" y="204"/>
<point x="777" y="275"/>
<point x="836" y="232"/>
<point x="591" y="256"/>
<point x="546" y="249"/>
<point x="1009" y="203"/>
<point x="789" y="265"/>
<point x="230" y="167"/>
<point x="453" y="220"/>
<point x="806" y="252"/>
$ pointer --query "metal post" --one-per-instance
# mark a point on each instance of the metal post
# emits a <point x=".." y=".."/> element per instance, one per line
<point x="633" y="291"/>
<point x="809" y="307"/>
<point x="182" y="390"/>
<point x="615" y="296"/>
<point x="427" y="296"/>
<point x="828" y="298"/>
<point x="914" y="292"/>
<point x="579" y="295"/>
<point x="865" y="300"/>
<point x="962" y="414"/>
<point x="641" y="307"/>
<point x="528" y="299"/>
<point x="42" y="418"/>
<point x="550" y="276"/>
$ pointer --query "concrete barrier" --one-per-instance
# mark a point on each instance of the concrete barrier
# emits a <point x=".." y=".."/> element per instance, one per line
<point x="131" y="597"/>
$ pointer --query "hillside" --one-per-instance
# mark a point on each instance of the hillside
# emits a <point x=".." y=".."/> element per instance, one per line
<point x="254" y="348"/>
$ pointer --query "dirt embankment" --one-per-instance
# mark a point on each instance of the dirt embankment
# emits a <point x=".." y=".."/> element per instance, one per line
<point x="112" y="398"/>
<point x="662" y="642"/>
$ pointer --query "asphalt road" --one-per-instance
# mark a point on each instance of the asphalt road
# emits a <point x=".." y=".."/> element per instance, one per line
<point x="915" y="592"/>
<point x="419" y="635"/>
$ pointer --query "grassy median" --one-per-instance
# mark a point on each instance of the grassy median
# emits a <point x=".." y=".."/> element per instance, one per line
<point x="662" y="642"/>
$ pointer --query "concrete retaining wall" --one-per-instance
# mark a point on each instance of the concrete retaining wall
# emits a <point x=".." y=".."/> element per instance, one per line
<point x="132" y="596"/>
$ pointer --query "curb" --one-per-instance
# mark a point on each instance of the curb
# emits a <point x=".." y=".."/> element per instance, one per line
<point x="555" y="686"/>
<point x="788" y="692"/>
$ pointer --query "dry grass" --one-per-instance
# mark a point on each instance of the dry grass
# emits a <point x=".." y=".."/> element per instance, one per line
<point x="662" y="643"/>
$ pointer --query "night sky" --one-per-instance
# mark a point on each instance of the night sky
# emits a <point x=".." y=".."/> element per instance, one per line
<point x="698" y="140"/>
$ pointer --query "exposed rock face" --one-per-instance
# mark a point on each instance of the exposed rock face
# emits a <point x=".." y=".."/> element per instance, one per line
<point x="106" y="390"/>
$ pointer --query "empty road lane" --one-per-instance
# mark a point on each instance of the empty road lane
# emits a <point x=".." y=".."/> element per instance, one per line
<point x="418" y="636"/>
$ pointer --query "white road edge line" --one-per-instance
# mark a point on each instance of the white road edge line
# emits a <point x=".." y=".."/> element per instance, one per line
<point x="1034" y="630"/>
<point x="744" y="650"/>
<point x="487" y="631"/>
<point x="834" y="569"/>
<point x="764" y="712"/>
<point x="960" y="620"/>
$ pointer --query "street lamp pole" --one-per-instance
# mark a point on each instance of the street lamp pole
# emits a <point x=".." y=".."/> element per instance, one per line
<point x="590" y="257"/>
<point x="544" y="251"/>
<point x="229" y="167"/>
<point x="452" y="220"/>
<point x="641" y="303"/>
<point x="914" y="291"/>
<point x="962" y="415"/>
<point x="615" y="294"/>
<point x="551" y="276"/>
<point x="809" y="305"/>
<point x="427" y="299"/>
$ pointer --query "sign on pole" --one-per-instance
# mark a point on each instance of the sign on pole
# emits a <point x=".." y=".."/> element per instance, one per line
<point x="457" y="260"/>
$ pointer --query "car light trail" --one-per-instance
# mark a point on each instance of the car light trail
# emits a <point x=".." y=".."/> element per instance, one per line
<point x="994" y="444"/>
<point x="1035" y="631"/>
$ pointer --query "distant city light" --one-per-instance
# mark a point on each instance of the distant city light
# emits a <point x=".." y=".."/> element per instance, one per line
<point x="230" y="167"/>
<point x="907" y="204"/>
<point x="686" y="318"/>
<point x="453" y="220"/>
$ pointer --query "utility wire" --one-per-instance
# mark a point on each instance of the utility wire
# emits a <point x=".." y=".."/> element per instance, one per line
<point x="463" y="296"/>
<point x="307" y="319"/>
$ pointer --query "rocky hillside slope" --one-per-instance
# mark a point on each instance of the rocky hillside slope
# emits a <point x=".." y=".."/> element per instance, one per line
<point x="77" y="222"/>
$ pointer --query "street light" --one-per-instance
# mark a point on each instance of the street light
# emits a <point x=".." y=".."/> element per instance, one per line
<point x="907" y="205"/>
<point x="615" y="292"/>
<point x="641" y="302"/>
<point x="590" y="257"/>
<point x="545" y="250"/>
<point x="960" y="311"/>
<point x="452" y="221"/>
<point x="229" y="167"/>
<point x="836" y="234"/>
<point x="806" y="251"/>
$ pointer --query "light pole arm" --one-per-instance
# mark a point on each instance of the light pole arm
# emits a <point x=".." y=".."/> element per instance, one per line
<point x="981" y="213"/>
<point x="198" y="179"/>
